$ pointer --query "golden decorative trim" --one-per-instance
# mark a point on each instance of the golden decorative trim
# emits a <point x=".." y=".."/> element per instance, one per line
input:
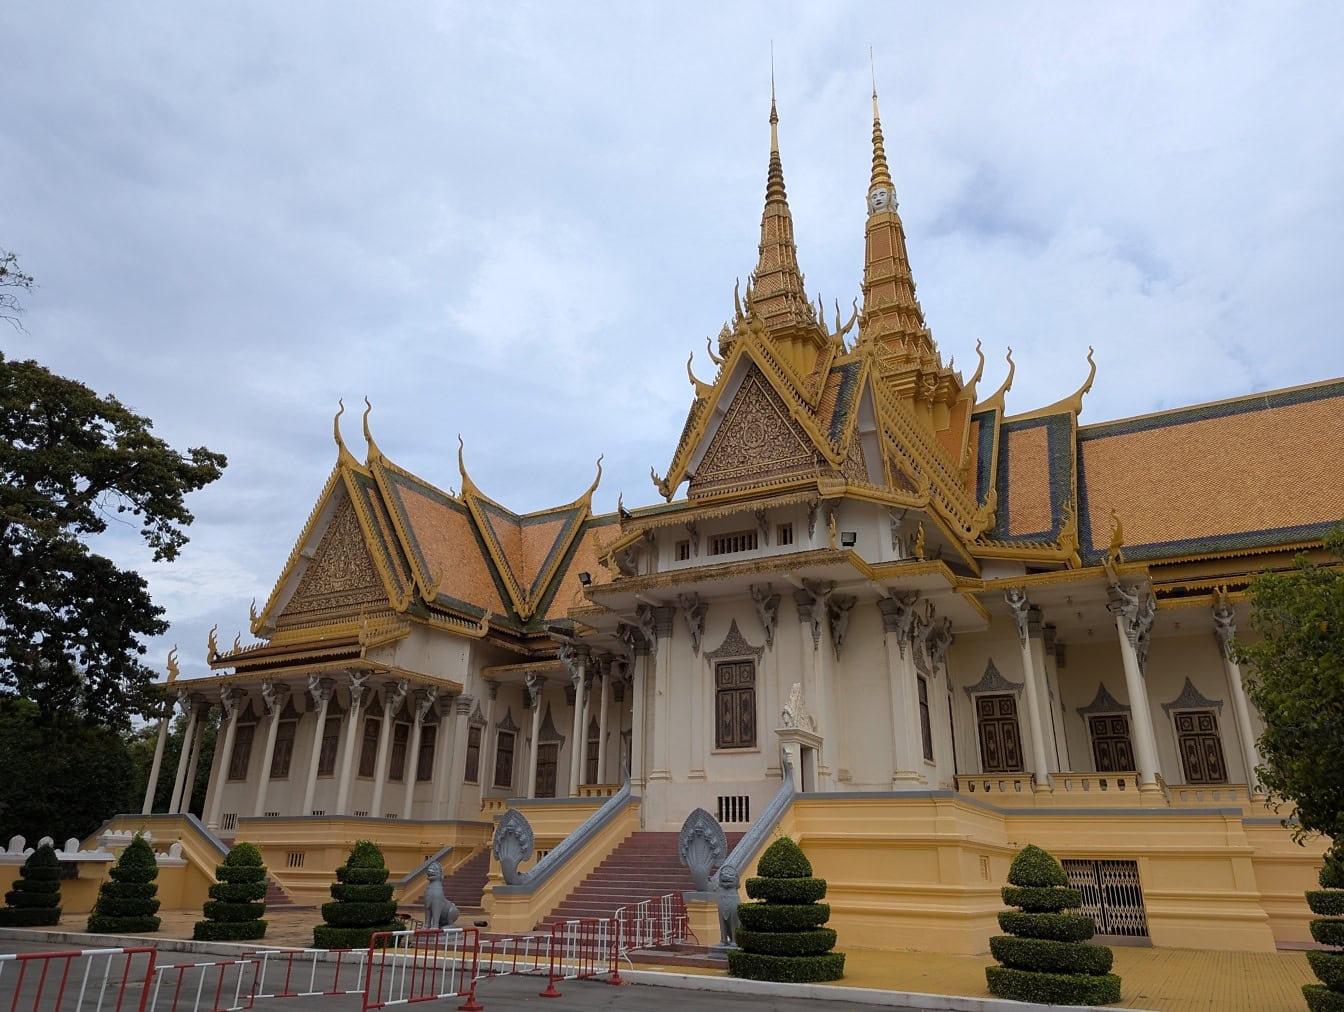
<point x="995" y="400"/>
<point x="1073" y="404"/>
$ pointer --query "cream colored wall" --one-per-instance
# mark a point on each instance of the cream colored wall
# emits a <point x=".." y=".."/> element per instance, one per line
<point x="1087" y="666"/>
<point x="1171" y="659"/>
<point x="967" y="661"/>
<point x="862" y="741"/>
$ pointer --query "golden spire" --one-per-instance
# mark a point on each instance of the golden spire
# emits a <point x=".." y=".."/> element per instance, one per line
<point x="881" y="174"/>
<point x="777" y="295"/>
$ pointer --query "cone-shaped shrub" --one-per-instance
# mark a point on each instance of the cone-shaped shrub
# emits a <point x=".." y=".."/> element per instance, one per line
<point x="1328" y="929"/>
<point x="236" y="904"/>
<point x="36" y="896"/>
<point x="362" y="902"/>
<point x="1044" y="955"/>
<point x="129" y="899"/>
<point x="781" y="936"/>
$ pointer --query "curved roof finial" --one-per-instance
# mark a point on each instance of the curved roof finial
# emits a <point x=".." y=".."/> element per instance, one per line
<point x="596" y="481"/>
<point x="343" y="452"/>
<point x="368" y="436"/>
<point x="173" y="670"/>
<point x="467" y="483"/>
<point x="702" y="390"/>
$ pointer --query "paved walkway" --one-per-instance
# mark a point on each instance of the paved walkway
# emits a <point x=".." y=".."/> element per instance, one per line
<point x="1162" y="980"/>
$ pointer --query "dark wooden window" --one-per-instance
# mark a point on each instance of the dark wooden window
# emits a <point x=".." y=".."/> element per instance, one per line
<point x="331" y="743"/>
<point x="1112" y="751"/>
<point x="730" y="544"/>
<point x="548" y="759"/>
<point x="594" y="744"/>
<point x="1000" y="741"/>
<point x="429" y="738"/>
<point x="1201" y="747"/>
<point x="504" y="758"/>
<point x="368" y="754"/>
<point x="396" y="765"/>
<point x="242" y="751"/>
<point x="925" y="725"/>
<point x="473" y="771"/>
<point x="284" y="749"/>
<point x="784" y="535"/>
<point x="735" y="704"/>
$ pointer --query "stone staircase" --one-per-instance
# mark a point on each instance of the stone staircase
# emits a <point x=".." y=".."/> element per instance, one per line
<point x="465" y="887"/>
<point x="645" y="865"/>
<point x="277" y="899"/>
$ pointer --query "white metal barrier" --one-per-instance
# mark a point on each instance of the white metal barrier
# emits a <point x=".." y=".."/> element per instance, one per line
<point x="405" y="967"/>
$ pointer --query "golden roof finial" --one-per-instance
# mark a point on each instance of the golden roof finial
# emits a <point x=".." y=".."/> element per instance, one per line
<point x="346" y="457"/>
<point x="212" y="644"/>
<point x="173" y="670"/>
<point x="1114" y="552"/>
<point x="368" y="435"/>
<point x="467" y="483"/>
<point x="881" y="178"/>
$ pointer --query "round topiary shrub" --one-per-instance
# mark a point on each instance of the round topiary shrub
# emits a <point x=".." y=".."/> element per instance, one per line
<point x="1044" y="955"/>
<point x="1328" y="929"/>
<point x="781" y="937"/>
<point x="362" y="904"/>
<point x="128" y="901"/>
<point x="36" y="896"/>
<point x="236" y="905"/>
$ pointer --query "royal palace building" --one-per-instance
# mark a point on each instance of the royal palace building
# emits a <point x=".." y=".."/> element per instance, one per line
<point x="951" y="631"/>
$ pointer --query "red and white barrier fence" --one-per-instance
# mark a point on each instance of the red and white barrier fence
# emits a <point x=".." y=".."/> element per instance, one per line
<point x="582" y="950"/>
<point x="654" y="922"/>
<point x="293" y="973"/>
<point x="88" y="980"/>
<point x="226" y="985"/>
<point x="405" y="967"/>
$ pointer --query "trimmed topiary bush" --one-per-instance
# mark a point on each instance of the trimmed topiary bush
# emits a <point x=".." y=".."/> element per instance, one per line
<point x="1044" y="955"/>
<point x="362" y="903"/>
<point x="128" y="901"/>
<point x="236" y="905"/>
<point x="1328" y="929"/>
<point x="36" y="896"/>
<point x="781" y="937"/>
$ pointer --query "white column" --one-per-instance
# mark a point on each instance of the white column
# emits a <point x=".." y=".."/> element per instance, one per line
<point x="536" y="687"/>
<point x="576" y="660"/>
<point x="604" y="678"/>
<point x="1225" y="630"/>
<point x="321" y="690"/>
<point x="184" y="755"/>
<point x="591" y="676"/>
<point x="230" y="704"/>
<point x="197" y="746"/>
<point x="394" y="696"/>
<point x="907" y="743"/>
<point x="346" y="761"/>
<point x="1050" y="666"/>
<point x="1017" y="601"/>
<point x="448" y="787"/>
<point x="424" y="702"/>
<point x="812" y="601"/>
<point x="489" y="740"/>
<point x="273" y="699"/>
<point x="153" y="784"/>
<point x="638" y="715"/>
<point x="660" y="694"/>
<point x="938" y="639"/>
<point x="1133" y="608"/>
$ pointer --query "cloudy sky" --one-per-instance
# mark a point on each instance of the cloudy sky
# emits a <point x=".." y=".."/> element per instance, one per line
<point x="514" y="221"/>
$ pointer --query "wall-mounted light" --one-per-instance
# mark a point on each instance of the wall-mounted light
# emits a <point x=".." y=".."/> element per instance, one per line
<point x="586" y="578"/>
<point x="848" y="539"/>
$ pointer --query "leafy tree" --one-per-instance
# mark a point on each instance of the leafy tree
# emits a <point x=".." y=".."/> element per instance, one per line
<point x="12" y="278"/>
<point x="71" y="622"/>
<point x="1295" y="678"/>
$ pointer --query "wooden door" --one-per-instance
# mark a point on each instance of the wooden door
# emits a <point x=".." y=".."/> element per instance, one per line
<point x="1000" y="740"/>
<point x="1111" y="749"/>
<point x="548" y="757"/>
<point x="1201" y="747"/>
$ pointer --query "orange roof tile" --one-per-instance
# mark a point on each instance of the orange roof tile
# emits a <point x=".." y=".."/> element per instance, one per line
<point x="1028" y="500"/>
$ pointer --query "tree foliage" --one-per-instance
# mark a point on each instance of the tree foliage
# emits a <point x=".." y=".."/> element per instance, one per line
<point x="1295" y="678"/>
<point x="71" y="622"/>
<point x="12" y="279"/>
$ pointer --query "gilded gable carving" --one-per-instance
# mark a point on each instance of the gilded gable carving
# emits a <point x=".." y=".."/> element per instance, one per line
<point x="855" y="469"/>
<point x="341" y="575"/>
<point x="757" y="441"/>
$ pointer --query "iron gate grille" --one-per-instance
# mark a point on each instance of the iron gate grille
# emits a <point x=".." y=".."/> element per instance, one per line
<point x="1112" y="895"/>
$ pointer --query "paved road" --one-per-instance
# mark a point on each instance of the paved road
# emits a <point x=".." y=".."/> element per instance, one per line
<point x="498" y="993"/>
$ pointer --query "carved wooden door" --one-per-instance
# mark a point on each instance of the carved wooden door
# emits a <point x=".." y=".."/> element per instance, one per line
<point x="1000" y="741"/>
<point x="1111" y="749"/>
<point x="735" y="704"/>
<point x="548" y="757"/>
<point x="1201" y="747"/>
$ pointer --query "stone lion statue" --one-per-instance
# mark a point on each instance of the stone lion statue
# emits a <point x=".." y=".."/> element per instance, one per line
<point x="728" y="901"/>
<point x="440" y="911"/>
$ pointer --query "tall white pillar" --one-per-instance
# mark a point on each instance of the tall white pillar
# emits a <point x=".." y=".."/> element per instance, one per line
<point x="346" y="761"/>
<point x="660" y="694"/>
<point x="152" y="787"/>
<point x="812" y="602"/>
<point x="536" y="686"/>
<point x="590" y="676"/>
<point x="490" y="739"/>
<point x="184" y="700"/>
<point x="230" y="704"/>
<point x="1021" y="607"/>
<point x="576" y="660"/>
<point x="273" y="699"/>
<point x="1225" y="630"/>
<point x="447" y="789"/>
<point x="1055" y="693"/>
<point x="639" y="704"/>
<point x="1133" y="608"/>
<point x="424" y="702"/>
<point x="197" y="746"/>
<point x="321" y="690"/>
<point x="604" y="679"/>
<point x="907" y="742"/>
<point x="394" y="697"/>
<point x="937" y="638"/>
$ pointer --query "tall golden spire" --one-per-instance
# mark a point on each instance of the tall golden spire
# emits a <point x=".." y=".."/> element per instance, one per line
<point x="892" y="316"/>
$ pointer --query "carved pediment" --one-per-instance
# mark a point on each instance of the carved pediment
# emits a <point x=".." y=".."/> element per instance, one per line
<point x="756" y="441"/>
<point x="341" y="575"/>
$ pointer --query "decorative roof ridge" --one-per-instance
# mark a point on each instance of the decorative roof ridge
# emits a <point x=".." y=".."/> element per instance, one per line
<point x="995" y="401"/>
<point x="1072" y="404"/>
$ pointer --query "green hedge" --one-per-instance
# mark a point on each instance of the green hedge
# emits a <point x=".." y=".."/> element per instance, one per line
<point x="350" y="893"/>
<point x="789" y="969"/>
<point x="228" y="931"/>
<point x="1056" y="927"/>
<point x="1326" y="902"/>
<point x="782" y="917"/>
<point x="327" y="937"/>
<point x="32" y="901"/>
<point x="1329" y="967"/>
<point x="361" y="876"/>
<point x="100" y="924"/>
<point x="784" y="859"/>
<point x="29" y="917"/>
<point x="1045" y="956"/>
<point x="1328" y="931"/>
<point x="354" y="915"/>
<point x="135" y="908"/>
<point x="225" y="910"/>
<point x="1332" y="872"/>
<point x="128" y="890"/>
<point x="786" y="890"/>
<point x="1036" y="868"/>
<point x="240" y="873"/>
<point x="33" y="887"/>
<point x="238" y="892"/>
<point x="246" y="855"/>
<point x="1052" y="988"/>
<point x="787" y="943"/>
<point x="1322" y="999"/>
<point x="1042" y="900"/>
<point x="36" y="897"/>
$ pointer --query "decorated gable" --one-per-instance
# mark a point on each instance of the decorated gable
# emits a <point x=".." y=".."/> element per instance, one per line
<point x="341" y="576"/>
